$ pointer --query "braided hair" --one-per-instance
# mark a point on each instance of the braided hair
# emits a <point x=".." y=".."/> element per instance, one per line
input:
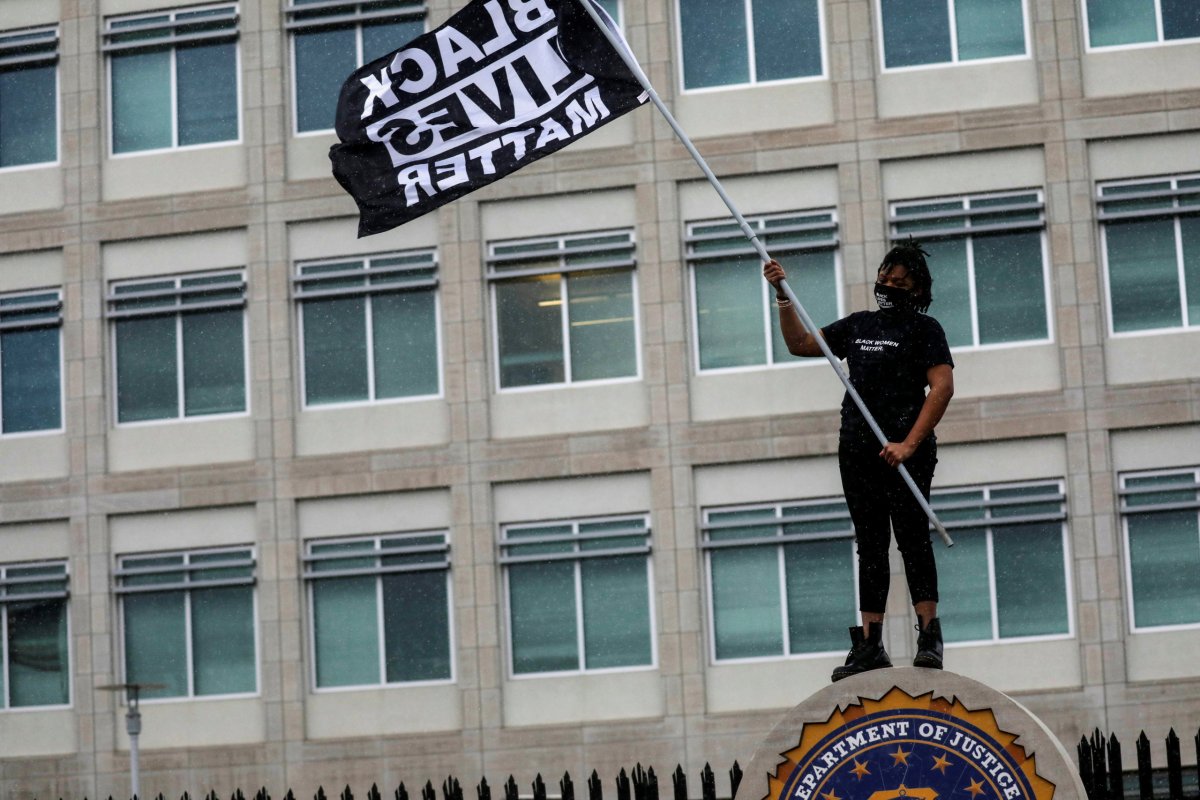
<point x="910" y="256"/>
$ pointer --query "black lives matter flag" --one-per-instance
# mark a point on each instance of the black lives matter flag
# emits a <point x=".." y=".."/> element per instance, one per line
<point x="501" y="84"/>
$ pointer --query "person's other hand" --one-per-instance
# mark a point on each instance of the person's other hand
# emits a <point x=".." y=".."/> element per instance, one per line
<point x="896" y="453"/>
<point x="774" y="273"/>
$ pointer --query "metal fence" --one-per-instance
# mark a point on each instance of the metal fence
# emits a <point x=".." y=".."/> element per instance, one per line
<point x="1104" y="777"/>
<point x="641" y="784"/>
<point x="1101" y="769"/>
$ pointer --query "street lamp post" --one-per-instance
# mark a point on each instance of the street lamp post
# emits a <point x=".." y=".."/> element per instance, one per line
<point x="133" y="725"/>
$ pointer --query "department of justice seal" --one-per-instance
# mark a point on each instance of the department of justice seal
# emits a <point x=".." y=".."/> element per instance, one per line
<point x="906" y="734"/>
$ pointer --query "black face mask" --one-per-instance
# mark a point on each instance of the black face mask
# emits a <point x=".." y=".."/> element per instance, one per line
<point x="892" y="298"/>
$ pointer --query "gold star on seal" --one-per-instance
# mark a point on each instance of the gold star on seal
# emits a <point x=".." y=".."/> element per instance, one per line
<point x="940" y="763"/>
<point x="976" y="788"/>
<point x="860" y="769"/>
<point x="900" y="757"/>
<point x="830" y="795"/>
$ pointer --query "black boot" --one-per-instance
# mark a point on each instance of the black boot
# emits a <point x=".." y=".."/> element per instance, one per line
<point x="929" y="645"/>
<point x="866" y="652"/>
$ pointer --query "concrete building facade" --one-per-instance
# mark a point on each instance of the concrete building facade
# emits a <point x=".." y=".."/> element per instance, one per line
<point x="527" y="485"/>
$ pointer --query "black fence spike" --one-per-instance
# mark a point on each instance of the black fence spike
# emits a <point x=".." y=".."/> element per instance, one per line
<point x="1174" y="767"/>
<point x="679" y="783"/>
<point x="623" y="785"/>
<point x="212" y="795"/>
<point x="566" y="788"/>
<point x="708" y="783"/>
<point x="428" y="792"/>
<point x="1116" y="769"/>
<point x="320" y="795"/>
<point x="401" y="793"/>
<point x="289" y="795"/>
<point x="596" y="791"/>
<point x="735" y="779"/>
<point x="539" y="787"/>
<point x="237" y="795"/>
<point x="1099" y="766"/>
<point x="510" y="789"/>
<point x="373" y="792"/>
<point x="483" y="791"/>
<point x="1086" y="775"/>
<point x="452" y="789"/>
<point x="1144" y="768"/>
<point x="262" y="794"/>
<point x="347" y="794"/>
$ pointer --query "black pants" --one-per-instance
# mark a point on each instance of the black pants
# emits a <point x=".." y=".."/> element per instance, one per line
<point x="880" y="502"/>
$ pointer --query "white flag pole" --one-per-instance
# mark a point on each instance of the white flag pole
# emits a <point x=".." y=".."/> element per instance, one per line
<point x="619" y="45"/>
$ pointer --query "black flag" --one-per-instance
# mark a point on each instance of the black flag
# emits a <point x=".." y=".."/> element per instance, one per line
<point x="499" y="85"/>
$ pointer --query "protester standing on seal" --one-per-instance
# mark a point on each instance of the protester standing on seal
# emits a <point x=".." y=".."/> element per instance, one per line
<point x="893" y="355"/>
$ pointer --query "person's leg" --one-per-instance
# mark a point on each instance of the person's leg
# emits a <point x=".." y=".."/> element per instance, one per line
<point x="863" y="484"/>
<point x="911" y="527"/>
<point x="868" y="512"/>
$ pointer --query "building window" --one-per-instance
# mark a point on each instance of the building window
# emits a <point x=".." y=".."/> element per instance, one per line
<point x="331" y="39"/>
<point x="173" y="78"/>
<point x="1012" y="540"/>
<point x="28" y="97"/>
<point x="1112" y="23"/>
<point x="1162" y="547"/>
<point x="369" y="328"/>
<point x="35" y="666"/>
<point x="1152" y="252"/>
<point x="31" y="362"/>
<point x="739" y="42"/>
<point x="179" y="345"/>
<point x="564" y="309"/>
<point x="380" y="609"/>
<point x="734" y="309"/>
<point x="921" y="32"/>
<point x="188" y="622"/>
<point x="987" y="256"/>
<point x="781" y="578"/>
<point x="578" y="594"/>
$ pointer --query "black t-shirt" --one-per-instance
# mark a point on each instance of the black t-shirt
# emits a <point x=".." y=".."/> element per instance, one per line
<point x="889" y="354"/>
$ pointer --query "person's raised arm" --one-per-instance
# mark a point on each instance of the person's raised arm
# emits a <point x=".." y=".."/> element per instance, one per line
<point x="941" y="389"/>
<point x="799" y="341"/>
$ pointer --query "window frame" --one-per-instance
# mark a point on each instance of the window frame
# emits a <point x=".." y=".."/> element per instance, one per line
<point x="57" y="322"/>
<point x="55" y="58"/>
<point x="113" y="316"/>
<point x="310" y="577"/>
<point x="778" y="542"/>
<point x="576" y="557"/>
<point x="966" y="234"/>
<point x="187" y="567"/>
<point x="988" y="528"/>
<point x="1160" y="41"/>
<point x="955" y="61"/>
<point x="759" y="224"/>
<point x="299" y="295"/>
<point x="1124" y="511"/>
<point x="5" y="598"/>
<point x="357" y="16"/>
<point x="1175" y="213"/>
<point x="107" y="49"/>
<point x="752" y="61"/>
<point x="494" y="276"/>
